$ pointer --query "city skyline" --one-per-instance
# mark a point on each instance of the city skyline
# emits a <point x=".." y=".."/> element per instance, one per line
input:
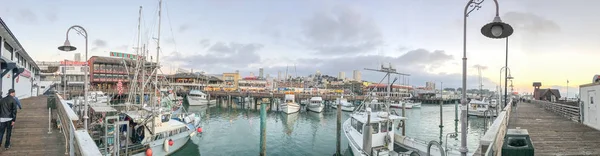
<point x="548" y="46"/>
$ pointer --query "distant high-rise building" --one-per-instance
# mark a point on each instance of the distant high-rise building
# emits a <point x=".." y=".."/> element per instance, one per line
<point x="251" y="74"/>
<point x="279" y="75"/>
<point x="268" y="76"/>
<point x="342" y="75"/>
<point x="77" y="57"/>
<point x="430" y="85"/>
<point x="260" y="73"/>
<point x="318" y="72"/>
<point x="356" y="75"/>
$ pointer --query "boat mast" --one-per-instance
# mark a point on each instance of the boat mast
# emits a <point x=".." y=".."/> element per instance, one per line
<point x="157" y="66"/>
<point x="134" y="82"/>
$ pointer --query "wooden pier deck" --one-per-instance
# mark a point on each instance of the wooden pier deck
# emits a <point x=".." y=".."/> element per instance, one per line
<point x="553" y="134"/>
<point x="30" y="135"/>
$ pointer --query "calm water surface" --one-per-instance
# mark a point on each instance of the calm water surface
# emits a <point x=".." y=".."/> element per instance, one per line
<point x="235" y="130"/>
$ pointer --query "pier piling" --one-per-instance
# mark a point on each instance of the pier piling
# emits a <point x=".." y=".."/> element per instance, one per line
<point x="441" y="120"/>
<point x="338" y="130"/>
<point x="263" y="127"/>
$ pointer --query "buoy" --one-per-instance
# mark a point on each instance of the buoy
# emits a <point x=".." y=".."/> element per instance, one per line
<point x="199" y="129"/>
<point x="171" y="142"/>
<point x="149" y="152"/>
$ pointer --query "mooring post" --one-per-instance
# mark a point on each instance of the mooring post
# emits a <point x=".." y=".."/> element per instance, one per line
<point x="338" y="130"/>
<point x="441" y="120"/>
<point x="263" y="128"/>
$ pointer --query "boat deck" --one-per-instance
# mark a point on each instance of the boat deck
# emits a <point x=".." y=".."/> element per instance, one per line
<point x="30" y="135"/>
<point x="553" y="134"/>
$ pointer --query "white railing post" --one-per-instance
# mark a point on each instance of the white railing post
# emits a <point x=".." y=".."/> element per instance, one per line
<point x="71" y="135"/>
<point x="49" y="120"/>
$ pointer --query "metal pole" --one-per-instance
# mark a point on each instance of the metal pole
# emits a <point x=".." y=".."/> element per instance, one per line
<point x="263" y="129"/>
<point x="506" y="75"/>
<point x="50" y="120"/>
<point x="85" y="83"/>
<point x="441" y="113"/>
<point x="463" y="127"/>
<point x="339" y="129"/>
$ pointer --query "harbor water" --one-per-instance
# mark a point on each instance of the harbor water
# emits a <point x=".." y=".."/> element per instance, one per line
<point x="234" y="129"/>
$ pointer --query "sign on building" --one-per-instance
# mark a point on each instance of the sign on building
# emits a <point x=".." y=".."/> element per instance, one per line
<point x="123" y="55"/>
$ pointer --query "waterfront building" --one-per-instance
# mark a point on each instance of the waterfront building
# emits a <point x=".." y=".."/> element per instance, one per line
<point x="187" y="81"/>
<point x="230" y="81"/>
<point x="252" y="83"/>
<point x="19" y="71"/>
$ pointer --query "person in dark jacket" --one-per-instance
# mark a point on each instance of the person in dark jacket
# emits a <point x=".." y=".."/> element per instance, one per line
<point x="8" y="116"/>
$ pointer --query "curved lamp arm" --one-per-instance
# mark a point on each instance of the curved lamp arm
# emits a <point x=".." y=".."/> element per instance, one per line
<point x="476" y="4"/>
<point x="80" y="30"/>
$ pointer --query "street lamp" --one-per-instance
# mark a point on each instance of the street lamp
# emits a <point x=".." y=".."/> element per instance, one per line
<point x="495" y="29"/>
<point x="68" y="47"/>
<point x="506" y="77"/>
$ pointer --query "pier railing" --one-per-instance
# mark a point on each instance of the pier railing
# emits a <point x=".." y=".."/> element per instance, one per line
<point x="492" y="140"/>
<point x="78" y="140"/>
<point x="567" y="111"/>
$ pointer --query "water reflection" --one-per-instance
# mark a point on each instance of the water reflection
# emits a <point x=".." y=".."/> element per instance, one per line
<point x="234" y="129"/>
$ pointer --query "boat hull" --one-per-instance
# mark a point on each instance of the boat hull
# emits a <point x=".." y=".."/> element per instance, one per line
<point x="481" y="113"/>
<point x="197" y="101"/>
<point x="316" y="108"/>
<point x="289" y="108"/>
<point x="158" y="147"/>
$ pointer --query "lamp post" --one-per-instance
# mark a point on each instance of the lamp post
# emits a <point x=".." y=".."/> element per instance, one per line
<point x="506" y="77"/>
<point x="68" y="47"/>
<point x="495" y="29"/>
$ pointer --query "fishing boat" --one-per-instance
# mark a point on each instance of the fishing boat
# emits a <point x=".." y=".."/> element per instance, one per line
<point x="371" y="128"/>
<point x="407" y="104"/>
<point x="198" y="98"/>
<point x="316" y="104"/>
<point x="289" y="104"/>
<point x="480" y="108"/>
<point x="346" y="106"/>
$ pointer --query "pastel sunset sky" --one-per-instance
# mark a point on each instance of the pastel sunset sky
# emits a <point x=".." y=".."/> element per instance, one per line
<point x="554" y="40"/>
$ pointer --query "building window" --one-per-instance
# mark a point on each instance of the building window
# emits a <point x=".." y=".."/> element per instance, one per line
<point x="9" y="51"/>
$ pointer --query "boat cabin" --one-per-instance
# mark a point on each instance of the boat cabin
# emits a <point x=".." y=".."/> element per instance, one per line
<point x="382" y="130"/>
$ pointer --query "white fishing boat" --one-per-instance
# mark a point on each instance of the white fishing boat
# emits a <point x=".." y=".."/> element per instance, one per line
<point x="407" y="104"/>
<point x="316" y="104"/>
<point x="198" y="98"/>
<point x="167" y="135"/>
<point x="346" y="106"/>
<point x="289" y="104"/>
<point x="480" y="108"/>
<point x="371" y="128"/>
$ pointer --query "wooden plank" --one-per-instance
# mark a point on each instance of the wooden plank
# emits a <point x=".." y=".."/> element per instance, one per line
<point x="554" y="134"/>
<point x="30" y="134"/>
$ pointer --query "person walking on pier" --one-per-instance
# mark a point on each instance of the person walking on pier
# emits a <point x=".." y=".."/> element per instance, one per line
<point x="8" y="116"/>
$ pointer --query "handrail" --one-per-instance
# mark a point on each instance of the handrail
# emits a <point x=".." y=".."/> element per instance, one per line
<point x="79" y="140"/>
<point x="433" y="142"/>
<point x="567" y="111"/>
<point x="492" y="140"/>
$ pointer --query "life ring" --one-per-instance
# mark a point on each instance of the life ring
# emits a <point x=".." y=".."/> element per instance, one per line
<point x="166" y="145"/>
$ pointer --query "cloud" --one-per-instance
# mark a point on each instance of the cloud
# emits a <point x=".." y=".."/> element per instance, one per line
<point x="416" y="62"/>
<point x="98" y="44"/>
<point x="480" y="66"/>
<point x="184" y="27"/>
<point x="26" y="16"/>
<point x="342" y="30"/>
<point x="530" y="23"/>
<point x="533" y="30"/>
<point x="220" y="56"/>
<point x="205" y="43"/>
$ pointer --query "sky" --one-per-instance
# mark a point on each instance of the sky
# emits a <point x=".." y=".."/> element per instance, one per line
<point x="553" y="41"/>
